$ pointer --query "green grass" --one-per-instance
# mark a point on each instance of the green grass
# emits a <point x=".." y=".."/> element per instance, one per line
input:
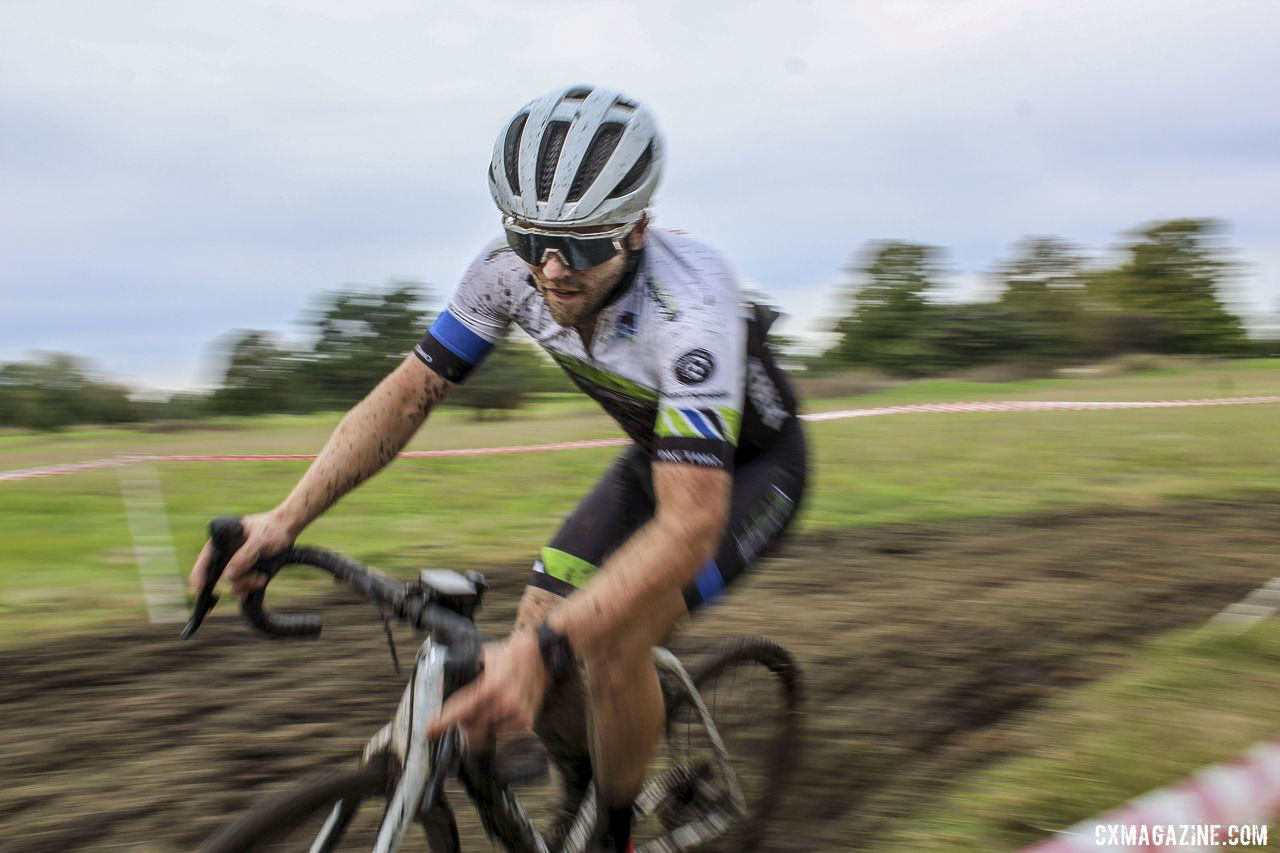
<point x="543" y="422"/>
<point x="568" y="417"/>
<point x="1187" y="700"/>
<point x="1242" y="378"/>
<point x="67" y="559"/>
<point x="933" y="467"/>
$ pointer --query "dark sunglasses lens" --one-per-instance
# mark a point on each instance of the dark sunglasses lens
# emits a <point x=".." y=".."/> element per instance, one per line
<point x="523" y="246"/>
<point x="584" y="254"/>
<point x="578" y="253"/>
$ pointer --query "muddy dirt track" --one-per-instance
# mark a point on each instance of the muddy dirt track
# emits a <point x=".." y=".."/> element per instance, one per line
<point x="914" y="641"/>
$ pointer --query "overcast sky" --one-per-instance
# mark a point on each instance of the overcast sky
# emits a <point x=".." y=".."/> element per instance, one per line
<point x="175" y="170"/>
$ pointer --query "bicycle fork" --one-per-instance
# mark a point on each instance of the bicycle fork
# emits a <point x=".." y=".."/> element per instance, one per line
<point x="406" y="737"/>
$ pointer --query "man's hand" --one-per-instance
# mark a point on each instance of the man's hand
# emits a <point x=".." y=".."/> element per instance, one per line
<point x="506" y="696"/>
<point x="265" y="535"/>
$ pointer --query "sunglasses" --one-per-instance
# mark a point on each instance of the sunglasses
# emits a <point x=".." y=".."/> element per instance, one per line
<point x="578" y="251"/>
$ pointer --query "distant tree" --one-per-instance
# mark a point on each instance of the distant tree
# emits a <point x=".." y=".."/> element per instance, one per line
<point x="545" y="376"/>
<point x="1042" y="285"/>
<point x="260" y="377"/>
<point x="969" y="335"/>
<point x="889" y="310"/>
<point x="176" y="407"/>
<point x="1170" y="287"/>
<point x="503" y="382"/>
<point x="361" y="335"/>
<point x="57" y="390"/>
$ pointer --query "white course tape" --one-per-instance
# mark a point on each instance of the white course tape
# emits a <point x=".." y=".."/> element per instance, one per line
<point x="1237" y="793"/>
<point x="919" y="408"/>
<point x="1032" y="406"/>
<point x="69" y="468"/>
<point x="1260" y="604"/>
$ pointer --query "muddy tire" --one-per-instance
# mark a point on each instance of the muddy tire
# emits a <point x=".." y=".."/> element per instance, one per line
<point x="751" y="686"/>
<point x="289" y="821"/>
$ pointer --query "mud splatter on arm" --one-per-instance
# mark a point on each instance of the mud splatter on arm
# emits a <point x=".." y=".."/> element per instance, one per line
<point x="367" y="438"/>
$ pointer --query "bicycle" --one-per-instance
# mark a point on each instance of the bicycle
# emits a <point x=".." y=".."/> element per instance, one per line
<point x="694" y="798"/>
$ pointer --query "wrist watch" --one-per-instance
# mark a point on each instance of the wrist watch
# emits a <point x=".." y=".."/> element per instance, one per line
<point x="557" y="654"/>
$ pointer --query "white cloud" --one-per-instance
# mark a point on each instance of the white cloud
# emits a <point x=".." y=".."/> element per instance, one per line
<point x="190" y="167"/>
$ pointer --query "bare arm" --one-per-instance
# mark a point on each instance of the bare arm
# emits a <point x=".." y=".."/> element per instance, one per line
<point x="639" y="595"/>
<point x="368" y="437"/>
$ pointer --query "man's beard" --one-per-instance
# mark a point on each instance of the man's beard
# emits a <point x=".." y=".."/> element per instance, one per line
<point x="570" y="316"/>
<point x="594" y="291"/>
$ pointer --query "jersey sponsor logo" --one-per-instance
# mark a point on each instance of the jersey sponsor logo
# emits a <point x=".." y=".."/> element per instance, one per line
<point x="764" y="395"/>
<point x="704" y="395"/>
<point x="689" y="457"/>
<point x="667" y="306"/>
<point x="764" y="523"/>
<point x="627" y="324"/>
<point x="694" y="367"/>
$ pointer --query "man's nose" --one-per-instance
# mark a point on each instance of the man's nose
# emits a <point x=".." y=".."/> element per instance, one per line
<point x="555" y="269"/>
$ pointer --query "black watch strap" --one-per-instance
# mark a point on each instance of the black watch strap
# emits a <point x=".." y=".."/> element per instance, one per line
<point x="557" y="654"/>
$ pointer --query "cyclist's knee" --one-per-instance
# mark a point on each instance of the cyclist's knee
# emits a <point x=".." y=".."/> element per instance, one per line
<point x="619" y="667"/>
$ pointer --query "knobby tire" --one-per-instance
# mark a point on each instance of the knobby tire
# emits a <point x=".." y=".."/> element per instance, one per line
<point x="751" y="685"/>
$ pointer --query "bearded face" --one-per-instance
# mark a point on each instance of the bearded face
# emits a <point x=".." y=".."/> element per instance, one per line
<point x="574" y="297"/>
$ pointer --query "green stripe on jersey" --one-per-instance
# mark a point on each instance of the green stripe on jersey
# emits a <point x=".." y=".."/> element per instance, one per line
<point x="568" y="568"/>
<point x="732" y="419"/>
<point x="604" y="379"/>
<point x="670" y="423"/>
<point x="673" y="422"/>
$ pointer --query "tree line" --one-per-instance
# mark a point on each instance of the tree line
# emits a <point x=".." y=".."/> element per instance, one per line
<point x="356" y="337"/>
<point x="1165" y="294"/>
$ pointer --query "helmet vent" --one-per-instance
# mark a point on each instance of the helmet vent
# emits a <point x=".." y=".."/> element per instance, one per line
<point x="598" y="152"/>
<point x="511" y="152"/>
<point x="549" y="156"/>
<point x="580" y="155"/>
<point x="632" y="179"/>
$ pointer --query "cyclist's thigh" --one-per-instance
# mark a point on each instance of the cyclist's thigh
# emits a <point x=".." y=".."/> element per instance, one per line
<point x="616" y="507"/>
<point x="767" y="490"/>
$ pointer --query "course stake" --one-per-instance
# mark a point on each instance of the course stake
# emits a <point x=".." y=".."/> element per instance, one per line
<point x="152" y="543"/>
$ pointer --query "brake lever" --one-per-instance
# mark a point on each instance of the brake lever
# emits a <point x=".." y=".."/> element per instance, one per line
<point x="226" y="535"/>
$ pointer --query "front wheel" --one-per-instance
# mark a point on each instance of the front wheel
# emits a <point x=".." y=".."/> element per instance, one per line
<point x="346" y="806"/>
<point x="751" y="687"/>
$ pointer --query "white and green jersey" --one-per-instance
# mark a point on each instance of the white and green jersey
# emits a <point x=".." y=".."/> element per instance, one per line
<point x="676" y="358"/>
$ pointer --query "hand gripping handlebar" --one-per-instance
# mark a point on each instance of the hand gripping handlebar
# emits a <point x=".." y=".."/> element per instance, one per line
<point x="450" y="624"/>
<point x="226" y="535"/>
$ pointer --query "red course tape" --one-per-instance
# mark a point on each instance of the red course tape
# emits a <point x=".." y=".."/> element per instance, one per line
<point x="919" y="408"/>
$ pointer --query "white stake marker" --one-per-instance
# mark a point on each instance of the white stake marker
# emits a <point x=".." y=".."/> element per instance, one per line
<point x="162" y="587"/>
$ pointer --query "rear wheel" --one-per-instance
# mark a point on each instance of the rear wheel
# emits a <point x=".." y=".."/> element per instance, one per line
<point x="751" y="688"/>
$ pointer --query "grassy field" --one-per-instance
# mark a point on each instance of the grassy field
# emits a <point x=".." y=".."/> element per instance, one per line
<point x="573" y="417"/>
<point x="68" y="560"/>
<point x="1186" y="701"/>
<point x="966" y="556"/>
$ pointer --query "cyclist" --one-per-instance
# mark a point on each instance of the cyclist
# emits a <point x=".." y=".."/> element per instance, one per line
<point x="650" y="324"/>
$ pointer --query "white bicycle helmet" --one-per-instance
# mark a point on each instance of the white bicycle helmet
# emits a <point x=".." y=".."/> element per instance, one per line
<point x="577" y="156"/>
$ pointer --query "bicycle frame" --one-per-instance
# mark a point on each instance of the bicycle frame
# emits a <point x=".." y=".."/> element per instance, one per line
<point x="425" y="764"/>
<point x="420" y="783"/>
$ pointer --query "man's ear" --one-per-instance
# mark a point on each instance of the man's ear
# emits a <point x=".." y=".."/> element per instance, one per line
<point x="635" y="240"/>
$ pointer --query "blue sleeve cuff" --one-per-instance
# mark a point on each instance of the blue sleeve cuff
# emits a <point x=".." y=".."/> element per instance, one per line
<point x="459" y="340"/>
